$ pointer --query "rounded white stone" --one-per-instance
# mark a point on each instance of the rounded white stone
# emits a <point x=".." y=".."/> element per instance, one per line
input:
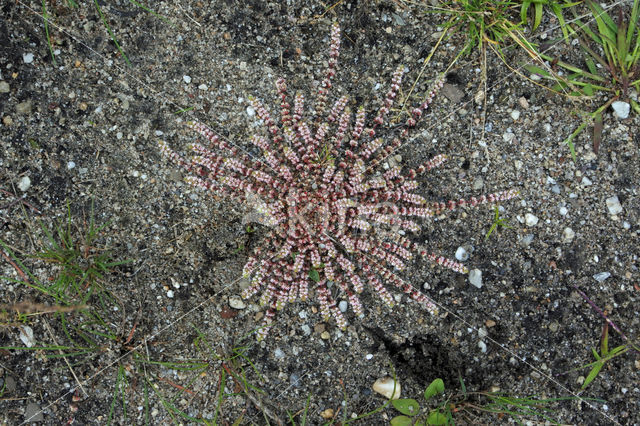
<point x="567" y="235"/>
<point x="530" y="219"/>
<point x="24" y="183"/>
<point x="462" y="254"/>
<point x="236" y="303"/>
<point x="385" y="387"/>
<point x="621" y="109"/>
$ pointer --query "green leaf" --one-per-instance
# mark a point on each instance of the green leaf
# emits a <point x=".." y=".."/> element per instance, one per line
<point x="537" y="70"/>
<point x="406" y="406"/>
<point x="591" y="65"/>
<point x="595" y="354"/>
<point x="436" y="418"/>
<point x="557" y="10"/>
<point x="436" y="387"/>
<point x="523" y="11"/>
<point x="592" y="374"/>
<point x="617" y="349"/>
<point x="537" y="8"/>
<point x="314" y="275"/>
<point x="401" y="421"/>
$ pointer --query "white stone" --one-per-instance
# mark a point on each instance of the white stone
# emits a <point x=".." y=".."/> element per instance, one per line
<point x="27" y="58"/>
<point x="475" y="278"/>
<point x="530" y="219"/>
<point x="71" y="165"/>
<point x="236" y="303"/>
<point x="601" y="276"/>
<point x="621" y="109"/>
<point x="515" y="114"/>
<point x="508" y="137"/>
<point x="613" y="204"/>
<point x="26" y="335"/>
<point x="251" y="111"/>
<point x="385" y="386"/>
<point x="170" y="294"/>
<point x="567" y="235"/>
<point x="462" y="254"/>
<point x="483" y="346"/>
<point x="24" y="183"/>
<point x="563" y="211"/>
<point x="343" y="305"/>
<point x="203" y="87"/>
<point x="186" y="79"/>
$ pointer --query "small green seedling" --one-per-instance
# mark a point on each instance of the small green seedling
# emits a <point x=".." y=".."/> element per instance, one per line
<point x="497" y="221"/>
<point x="604" y="356"/>
<point x="410" y="408"/>
<point x="464" y="403"/>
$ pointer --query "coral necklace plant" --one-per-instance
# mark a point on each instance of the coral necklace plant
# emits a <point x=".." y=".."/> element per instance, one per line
<point x="337" y="217"/>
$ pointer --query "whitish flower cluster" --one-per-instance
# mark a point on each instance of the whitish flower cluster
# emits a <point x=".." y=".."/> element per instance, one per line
<point x="337" y="218"/>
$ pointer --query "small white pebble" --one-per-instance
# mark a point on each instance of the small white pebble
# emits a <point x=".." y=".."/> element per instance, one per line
<point x="27" y="58"/>
<point x="170" y="294"/>
<point x="508" y="137"/>
<point x="24" y="183"/>
<point x="368" y="356"/>
<point x="567" y="235"/>
<point x="483" y="346"/>
<point x="251" y="111"/>
<point x="461" y="254"/>
<point x="475" y="278"/>
<point x="236" y="303"/>
<point x="71" y="165"/>
<point x="530" y="219"/>
<point x="26" y="335"/>
<point x="203" y="87"/>
<point x="343" y="305"/>
<point x="515" y="114"/>
<point x="186" y="79"/>
<point x="563" y="211"/>
<point x="613" y="204"/>
<point x="620" y="109"/>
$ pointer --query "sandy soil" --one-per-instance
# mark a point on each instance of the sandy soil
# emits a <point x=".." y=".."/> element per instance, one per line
<point x="86" y="130"/>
